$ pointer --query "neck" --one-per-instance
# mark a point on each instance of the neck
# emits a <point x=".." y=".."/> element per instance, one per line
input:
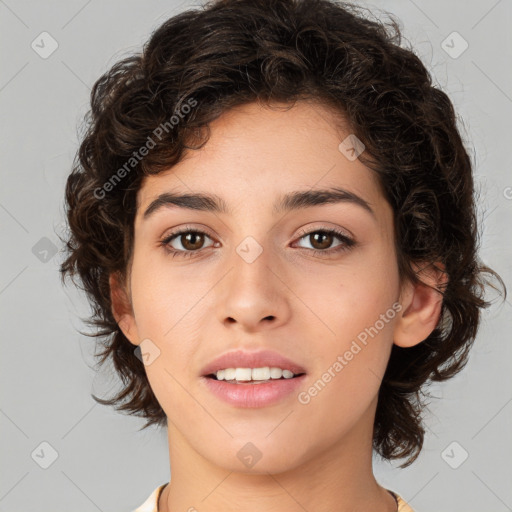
<point x="338" y="478"/>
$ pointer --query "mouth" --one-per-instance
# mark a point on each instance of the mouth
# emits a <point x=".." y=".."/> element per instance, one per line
<point x="252" y="379"/>
<point x="241" y="391"/>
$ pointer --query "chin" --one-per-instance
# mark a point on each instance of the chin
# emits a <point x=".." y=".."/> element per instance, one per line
<point x="258" y="457"/>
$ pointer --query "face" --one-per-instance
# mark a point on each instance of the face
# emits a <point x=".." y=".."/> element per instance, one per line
<point x="315" y="282"/>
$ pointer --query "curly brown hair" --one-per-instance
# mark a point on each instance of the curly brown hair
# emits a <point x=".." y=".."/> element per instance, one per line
<point x="230" y="52"/>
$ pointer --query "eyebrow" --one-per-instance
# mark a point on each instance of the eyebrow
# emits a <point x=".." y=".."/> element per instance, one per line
<point x="291" y="201"/>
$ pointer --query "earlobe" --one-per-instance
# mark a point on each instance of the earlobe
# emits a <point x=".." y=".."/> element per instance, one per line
<point x="122" y="310"/>
<point x="422" y="306"/>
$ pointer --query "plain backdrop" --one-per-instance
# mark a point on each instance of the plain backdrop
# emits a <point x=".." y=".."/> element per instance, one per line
<point x="96" y="458"/>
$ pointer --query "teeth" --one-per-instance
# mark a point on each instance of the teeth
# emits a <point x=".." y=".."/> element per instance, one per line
<point x="229" y="373"/>
<point x="260" y="373"/>
<point x="243" y="374"/>
<point x="247" y="374"/>
<point x="276" y="373"/>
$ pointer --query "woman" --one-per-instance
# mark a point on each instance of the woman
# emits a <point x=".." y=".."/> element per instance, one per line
<point x="272" y="213"/>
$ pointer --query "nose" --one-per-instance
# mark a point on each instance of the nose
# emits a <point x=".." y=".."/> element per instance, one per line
<point x="254" y="294"/>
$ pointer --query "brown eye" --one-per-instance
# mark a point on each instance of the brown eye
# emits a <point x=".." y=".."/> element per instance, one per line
<point x="192" y="241"/>
<point x="186" y="242"/>
<point x="321" y="240"/>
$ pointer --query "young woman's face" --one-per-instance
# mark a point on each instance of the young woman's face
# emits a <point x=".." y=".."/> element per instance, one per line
<point x="267" y="275"/>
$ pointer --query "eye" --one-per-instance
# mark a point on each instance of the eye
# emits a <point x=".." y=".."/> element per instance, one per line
<point x="185" y="242"/>
<point x="322" y="239"/>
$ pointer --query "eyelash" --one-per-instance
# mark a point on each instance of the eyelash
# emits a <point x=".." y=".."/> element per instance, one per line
<point x="347" y="242"/>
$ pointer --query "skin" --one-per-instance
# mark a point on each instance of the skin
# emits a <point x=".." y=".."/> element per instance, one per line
<point x="309" y="307"/>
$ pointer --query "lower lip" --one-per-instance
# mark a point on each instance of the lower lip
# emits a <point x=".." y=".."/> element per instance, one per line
<point x="254" y="395"/>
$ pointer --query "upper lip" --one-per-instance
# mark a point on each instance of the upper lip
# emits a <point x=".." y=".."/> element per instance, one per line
<point x="243" y="359"/>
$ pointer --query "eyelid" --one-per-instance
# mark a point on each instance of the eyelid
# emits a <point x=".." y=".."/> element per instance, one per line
<point x="339" y="231"/>
<point x="185" y="229"/>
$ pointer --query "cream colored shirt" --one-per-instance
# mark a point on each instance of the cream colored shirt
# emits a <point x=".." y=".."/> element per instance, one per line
<point x="151" y="504"/>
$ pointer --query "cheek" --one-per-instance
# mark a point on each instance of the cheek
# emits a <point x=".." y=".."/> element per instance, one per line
<point x="165" y="307"/>
<point x="354" y="311"/>
<point x="164" y="297"/>
<point x="346" y="299"/>
<point x="348" y="371"/>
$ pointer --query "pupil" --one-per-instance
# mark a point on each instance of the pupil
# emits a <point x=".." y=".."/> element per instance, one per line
<point x="192" y="245"/>
<point x="322" y="234"/>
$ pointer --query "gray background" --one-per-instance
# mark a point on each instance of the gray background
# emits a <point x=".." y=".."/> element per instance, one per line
<point x="47" y="377"/>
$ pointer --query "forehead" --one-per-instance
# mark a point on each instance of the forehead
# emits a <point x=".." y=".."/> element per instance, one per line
<point x="256" y="153"/>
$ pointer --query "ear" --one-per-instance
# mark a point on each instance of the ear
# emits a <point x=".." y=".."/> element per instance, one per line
<point x="122" y="308"/>
<point x="421" y="304"/>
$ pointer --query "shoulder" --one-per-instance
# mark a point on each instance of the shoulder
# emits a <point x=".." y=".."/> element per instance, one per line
<point x="402" y="504"/>
<point x="151" y="503"/>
